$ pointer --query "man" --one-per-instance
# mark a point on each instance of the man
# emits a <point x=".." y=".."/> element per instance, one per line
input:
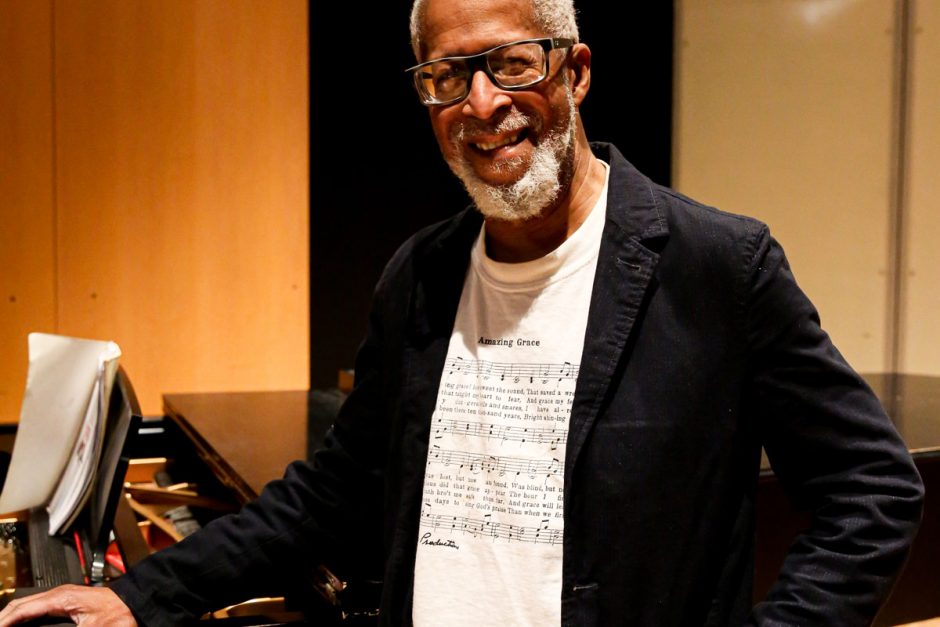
<point x="560" y="406"/>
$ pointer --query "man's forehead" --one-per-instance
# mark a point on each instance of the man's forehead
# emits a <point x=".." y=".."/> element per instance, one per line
<point x="456" y="27"/>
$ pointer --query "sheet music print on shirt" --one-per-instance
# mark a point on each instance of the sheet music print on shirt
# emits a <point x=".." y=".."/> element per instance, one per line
<point x="492" y="505"/>
<point x="491" y="524"/>
<point x="507" y="486"/>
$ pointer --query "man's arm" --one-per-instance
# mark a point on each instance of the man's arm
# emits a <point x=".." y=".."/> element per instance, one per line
<point x="320" y="511"/>
<point x="835" y="452"/>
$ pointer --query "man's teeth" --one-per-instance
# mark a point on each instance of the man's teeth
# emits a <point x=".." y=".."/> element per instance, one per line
<point x="494" y="145"/>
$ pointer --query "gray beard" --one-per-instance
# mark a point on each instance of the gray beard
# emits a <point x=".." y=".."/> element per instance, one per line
<point x="542" y="182"/>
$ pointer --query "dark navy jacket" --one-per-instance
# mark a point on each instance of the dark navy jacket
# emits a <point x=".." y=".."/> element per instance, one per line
<point x="700" y="348"/>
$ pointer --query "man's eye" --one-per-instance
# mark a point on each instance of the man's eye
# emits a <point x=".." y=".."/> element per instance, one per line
<point x="514" y="66"/>
<point x="446" y="77"/>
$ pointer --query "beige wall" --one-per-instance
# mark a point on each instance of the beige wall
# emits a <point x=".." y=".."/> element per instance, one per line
<point x="920" y="338"/>
<point x="786" y="110"/>
<point x="174" y="193"/>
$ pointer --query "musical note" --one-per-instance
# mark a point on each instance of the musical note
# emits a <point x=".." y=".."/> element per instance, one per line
<point x="456" y="365"/>
<point x="567" y="371"/>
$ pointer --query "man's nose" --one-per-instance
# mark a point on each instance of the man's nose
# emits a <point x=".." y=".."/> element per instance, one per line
<point x="485" y="98"/>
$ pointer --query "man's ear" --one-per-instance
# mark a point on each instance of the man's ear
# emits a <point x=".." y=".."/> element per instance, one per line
<point x="579" y="68"/>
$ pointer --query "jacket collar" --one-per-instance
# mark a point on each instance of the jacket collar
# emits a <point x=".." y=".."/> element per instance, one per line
<point x="631" y="203"/>
<point x="439" y="276"/>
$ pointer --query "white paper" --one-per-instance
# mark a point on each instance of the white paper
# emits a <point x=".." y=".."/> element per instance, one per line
<point x="62" y="376"/>
<point x="77" y="480"/>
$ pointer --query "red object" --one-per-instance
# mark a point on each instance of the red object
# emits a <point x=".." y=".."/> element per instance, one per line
<point x="81" y="554"/>
<point x="113" y="557"/>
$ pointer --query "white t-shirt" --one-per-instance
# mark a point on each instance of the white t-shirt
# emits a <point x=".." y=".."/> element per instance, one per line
<point x="490" y="540"/>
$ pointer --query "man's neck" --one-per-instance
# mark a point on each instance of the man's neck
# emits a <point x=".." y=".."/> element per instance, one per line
<point x="525" y="240"/>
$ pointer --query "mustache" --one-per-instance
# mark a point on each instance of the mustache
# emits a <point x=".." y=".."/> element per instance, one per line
<point x="511" y="120"/>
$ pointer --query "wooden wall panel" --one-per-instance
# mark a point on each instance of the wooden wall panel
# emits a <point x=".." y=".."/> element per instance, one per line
<point x="182" y="184"/>
<point x="784" y="112"/>
<point x="27" y="255"/>
<point x="920" y="331"/>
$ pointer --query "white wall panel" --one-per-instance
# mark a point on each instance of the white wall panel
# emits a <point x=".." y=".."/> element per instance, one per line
<point x="784" y="112"/>
<point x="920" y="331"/>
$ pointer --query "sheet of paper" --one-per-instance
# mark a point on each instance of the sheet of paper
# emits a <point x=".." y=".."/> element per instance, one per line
<point x="59" y="386"/>
<point x="77" y="480"/>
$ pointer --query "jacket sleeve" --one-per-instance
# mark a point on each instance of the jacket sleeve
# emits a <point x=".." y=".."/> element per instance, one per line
<point x="836" y="454"/>
<point x="317" y="511"/>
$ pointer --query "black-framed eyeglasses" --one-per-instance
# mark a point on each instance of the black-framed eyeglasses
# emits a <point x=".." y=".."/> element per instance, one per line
<point x="513" y="66"/>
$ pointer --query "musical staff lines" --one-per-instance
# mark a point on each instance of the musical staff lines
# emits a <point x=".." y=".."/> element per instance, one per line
<point x="506" y="433"/>
<point x="498" y="438"/>
<point x="514" y="372"/>
<point x="484" y="527"/>
<point x="477" y="462"/>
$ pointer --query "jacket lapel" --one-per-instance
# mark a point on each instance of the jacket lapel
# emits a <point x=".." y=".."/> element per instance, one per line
<point x="439" y="277"/>
<point x="625" y="270"/>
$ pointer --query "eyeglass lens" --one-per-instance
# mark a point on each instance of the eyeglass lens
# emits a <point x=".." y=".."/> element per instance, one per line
<point x="513" y="66"/>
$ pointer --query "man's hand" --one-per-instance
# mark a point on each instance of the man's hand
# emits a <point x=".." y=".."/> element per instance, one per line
<point x="92" y="607"/>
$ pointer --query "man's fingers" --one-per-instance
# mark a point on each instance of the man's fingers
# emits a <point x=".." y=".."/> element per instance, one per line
<point x="49" y="603"/>
<point x="85" y="606"/>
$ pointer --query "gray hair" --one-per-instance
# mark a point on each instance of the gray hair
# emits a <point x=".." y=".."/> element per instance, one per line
<point x="555" y="17"/>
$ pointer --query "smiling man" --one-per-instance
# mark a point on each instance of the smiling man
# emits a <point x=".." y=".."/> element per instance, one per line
<point x="511" y="131"/>
<point x="563" y="394"/>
